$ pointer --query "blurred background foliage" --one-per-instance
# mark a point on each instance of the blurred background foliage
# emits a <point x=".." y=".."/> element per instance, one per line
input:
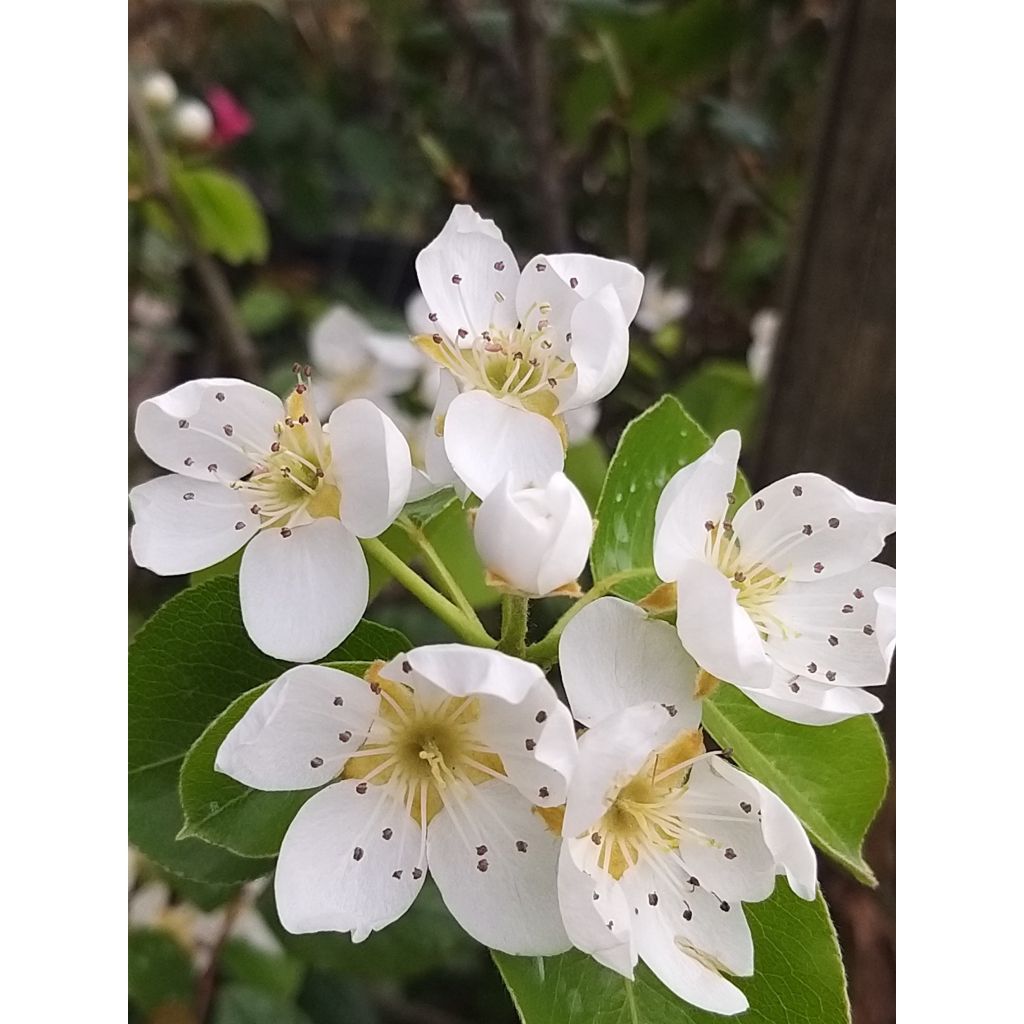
<point x="679" y="135"/>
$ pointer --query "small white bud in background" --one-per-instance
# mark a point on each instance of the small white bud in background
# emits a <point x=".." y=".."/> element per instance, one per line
<point x="764" y="329"/>
<point x="192" y="121"/>
<point x="158" y="91"/>
<point x="534" y="540"/>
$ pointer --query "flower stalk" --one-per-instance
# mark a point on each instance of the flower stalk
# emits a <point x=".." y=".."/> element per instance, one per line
<point x="514" y="614"/>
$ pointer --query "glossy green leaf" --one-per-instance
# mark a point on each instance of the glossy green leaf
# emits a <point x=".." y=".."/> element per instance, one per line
<point x="185" y="666"/>
<point x="721" y="395"/>
<point x="220" y="810"/>
<point x="225" y="214"/>
<point x="652" y="447"/>
<point x="159" y="970"/>
<point x="798" y="978"/>
<point x="834" y="777"/>
<point x="585" y="465"/>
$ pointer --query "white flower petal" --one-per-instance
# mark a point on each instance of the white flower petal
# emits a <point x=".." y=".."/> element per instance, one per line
<point x="182" y="524"/>
<point x="417" y="313"/>
<point x="696" y="495"/>
<point x="338" y="343"/>
<point x="485" y="439"/>
<point x="612" y="656"/>
<point x="435" y="460"/>
<point x="885" y="621"/>
<point x="303" y="594"/>
<point x="586" y="919"/>
<point x="300" y="731"/>
<point x="783" y="833"/>
<point x="657" y="886"/>
<point x="581" y="422"/>
<point x="715" y="630"/>
<point x="494" y="863"/>
<point x="808" y="527"/>
<point x="610" y="755"/>
<point x="536" y="539"/>
<point x="469" y="275"/>
<point x="812" y="702"/>
<point x="208" y="429"/>
<point x="599" y="348"/>
<point x="336" y="871"/>
<point x="830" y="627"/>
<point x="736" y="864"/>
<point x="370" y="460"/>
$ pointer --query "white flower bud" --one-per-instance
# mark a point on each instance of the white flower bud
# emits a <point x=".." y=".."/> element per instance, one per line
<point x="158" y="91"/>
<point x="192" y="121"/>
<point x="534" y="540"/>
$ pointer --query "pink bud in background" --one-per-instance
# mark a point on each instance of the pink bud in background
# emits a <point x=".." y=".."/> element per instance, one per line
<point x="231" y="119"/>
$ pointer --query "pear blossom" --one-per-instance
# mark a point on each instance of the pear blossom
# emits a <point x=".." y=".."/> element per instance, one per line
<point x="249" y="469"/>
<point x="777" y="596"/>
<point x="534" y="540"/>
<point x="663" y="842"/>
<point x="764" y="331"/>
<point x="192" y="121"/>
<point x="437" y="760"/>
<point x="521" y="348"/>
<point x="661" y="306"/>
<point x="158" y="90"/>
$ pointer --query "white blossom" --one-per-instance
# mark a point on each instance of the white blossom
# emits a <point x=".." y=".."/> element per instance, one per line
<point x="437" y="760"/>
<point x="534" y="540"/>
<point x="248" y="468"/>
<point x="777" y="596"/>
<point x="158" y="90"/>
<point x="192" y="121"/>
<point x="663" y="842"/>
<point x="520" y="349"/>
<point x="764" y="331"/>
<point x="661" y="306"/>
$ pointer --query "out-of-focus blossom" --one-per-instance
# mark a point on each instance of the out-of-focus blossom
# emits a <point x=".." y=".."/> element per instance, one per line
<point x="764" y="329"/>
<point x="158" y="90"/>
<point x="192" y="122"/>
<point x="230" y="119"/>
<point x="661" y="306"/>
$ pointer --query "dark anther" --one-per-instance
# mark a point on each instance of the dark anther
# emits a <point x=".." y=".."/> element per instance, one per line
<point x="671" y="709"/>
<point x="456" y="279"/>
<point x="745" y="807"/>
<point x="794" y="686"/>
<point x="833" y="640"/>
<point x="406" y="666"/>
<point x="345" y="736"/>
<point x="798" y="490"/>
<point x="858" y="593"/>
<point x="228" y="429"/>
<point x="830" y="676"/>
<point x="362" y="788"/>
<point x="188" y="495"/>
<point x="542" y="792"/>
<point x="652" y="898"/>
<point x="339" y="701"/>
<point x="396" y="874"/>
<point x="315" y="762"/>
<point x="500" y="265"/>
<point x="540" y="716"/>
<point x="758" y="504"/>
<point x="812" y="667"/>
<point x="481" y="850"/>
<point x="417" y="873"/>
<point x="833" y="522"/>
<point x="808" y="529"/>
<point x="285" y="532"/>
<point x="521" y="845"/>
<point x="868" y="630"/>
<point x="818" y="567"/>
<point x="573" y="282"/>
<point x="182" y="424"/>
<point x="387" y="834"/>
<point x="530" y="744"/>
<point x="596" y="838"/>
<point x="357" y="853"/>
<point x="730" y="853"/>
<point x="239" y="526"/>
<point x="482" y="865"/>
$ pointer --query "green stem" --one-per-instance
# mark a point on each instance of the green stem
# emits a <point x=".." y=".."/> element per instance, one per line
<point x="545" y="651"/>
<point x="470" y="631"/>
<point x="514" y="612"/>
<point x="438" y="567"/>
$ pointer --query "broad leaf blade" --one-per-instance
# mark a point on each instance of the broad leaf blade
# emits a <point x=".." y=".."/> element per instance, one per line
<point x="834" y="777"/>
<point x="798" y="978"/>
<point x="185" y="666"/>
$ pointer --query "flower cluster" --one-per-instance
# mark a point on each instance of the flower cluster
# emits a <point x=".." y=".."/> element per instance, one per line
<point x="191" y="122"/>
<point x="630" y="840"/>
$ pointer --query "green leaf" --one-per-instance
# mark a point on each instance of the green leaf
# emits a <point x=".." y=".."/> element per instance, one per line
<point x="159" y="970"/>
<point x="220" y="810"/>
<point x="264" y="308"/>
<point x="652" y="447"/>
<point x="274" y="973"/>
<point x="429" y="508"/>
<point x="243" y="1004"/>
<point x="834" y="777"/>
<point x="225" y="214"/>
<point x="721" y="395"/>
<point x="185" y="666"/>
<point x="585" y="465"/>
<point x="798" y="978"/>
<point x="425" y="938"/>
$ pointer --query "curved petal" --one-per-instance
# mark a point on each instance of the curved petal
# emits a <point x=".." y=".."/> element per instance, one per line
<point x="338" y="342"/>
<point x="574" y="532"/>
<point x="302" y="594"/>
<point x="829" y="627"/>
<point x="417" y="312"/>
<point x="435" y="459"/>
<point x="599" y="348"/>
<point x="696" y="495"/>
<point x="612" y="656"/>
<point x="182" y="524"/>
<point x="885" y="621"/>
<point x="581" y="422"/>
<point x="209" y="429"/>
<point x="370" y="460"/>
<point x="610" y="755"/>
<point x="589" y="904"/>
<point x="563" y="280"/>
<point x="300" y="731"/>
<point x="657" y="886"/>
<point x="338" y="872"/>
<point x="485" y="439"/>
<point x="807" y="701"/>
<point x="783" y="833"/>
<point x="808" y="527"/>
<point x="494" y="863"/>
<point x="468" y="275"/>
<point x="715" y="630"/>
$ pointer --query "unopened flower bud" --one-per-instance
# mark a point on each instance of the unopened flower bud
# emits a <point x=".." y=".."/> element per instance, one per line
<point x="158" y="91"/>
<point x="192" y="121"/>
